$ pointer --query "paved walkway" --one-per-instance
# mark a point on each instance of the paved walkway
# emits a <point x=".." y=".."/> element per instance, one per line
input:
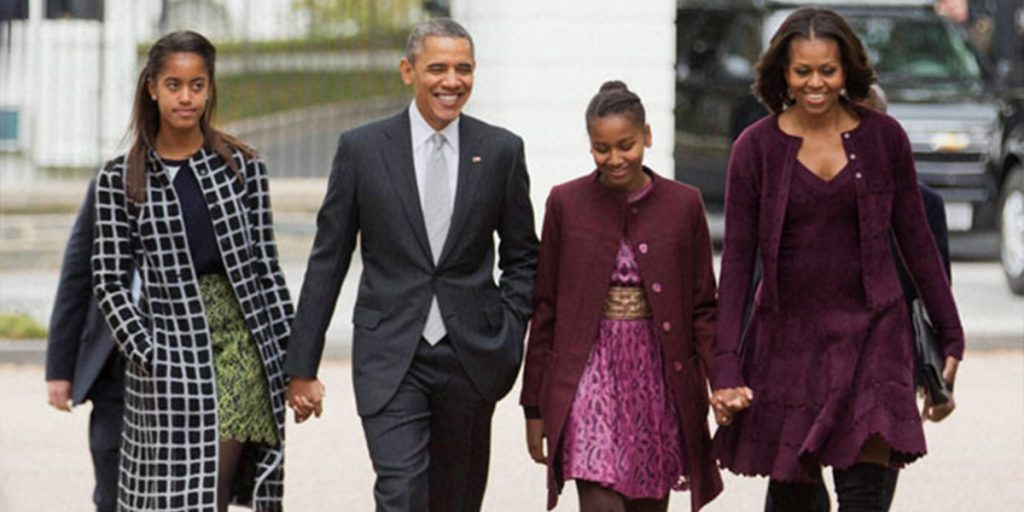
<point x="977" y="460"/>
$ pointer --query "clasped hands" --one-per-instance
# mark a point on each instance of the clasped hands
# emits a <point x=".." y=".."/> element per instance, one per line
<point x="729" y="401"/>
<point x="305" y="397"/>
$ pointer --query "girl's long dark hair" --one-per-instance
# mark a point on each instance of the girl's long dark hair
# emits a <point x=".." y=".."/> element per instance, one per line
<point x="145" y="121"/>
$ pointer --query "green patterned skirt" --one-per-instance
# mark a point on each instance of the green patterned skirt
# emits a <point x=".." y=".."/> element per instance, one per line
<point x="243" y="400"/>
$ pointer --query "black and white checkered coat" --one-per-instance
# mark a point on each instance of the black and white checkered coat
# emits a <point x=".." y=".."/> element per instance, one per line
<point x="169" y="447"/>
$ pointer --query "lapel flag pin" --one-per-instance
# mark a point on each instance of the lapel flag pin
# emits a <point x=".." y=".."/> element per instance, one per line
<point x="476" y="159"/>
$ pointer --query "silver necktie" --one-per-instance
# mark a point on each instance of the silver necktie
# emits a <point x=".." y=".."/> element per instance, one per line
<point x="437" y="215"/>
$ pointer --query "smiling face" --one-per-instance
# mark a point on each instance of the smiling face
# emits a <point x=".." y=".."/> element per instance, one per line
<point x="181" y="90"/>
<point x="617" y="144"/>
<point x="815" y="75"/>
<point x="441" y="78"/>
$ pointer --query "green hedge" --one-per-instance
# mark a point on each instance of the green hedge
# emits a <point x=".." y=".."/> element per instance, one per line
<point x="20" y="327"/>
<point x="383" y="39"/>
<point x="257" y="94"/>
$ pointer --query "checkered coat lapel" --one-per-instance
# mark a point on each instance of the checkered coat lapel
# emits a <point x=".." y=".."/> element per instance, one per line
<point x="169" y="448"/>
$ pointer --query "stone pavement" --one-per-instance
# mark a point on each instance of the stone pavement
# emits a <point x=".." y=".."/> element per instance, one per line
<point x="977" y="460"/>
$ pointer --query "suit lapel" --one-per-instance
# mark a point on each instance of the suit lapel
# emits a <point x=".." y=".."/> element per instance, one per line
<point x="397" y="156"/>
<point x="471" y="165"/>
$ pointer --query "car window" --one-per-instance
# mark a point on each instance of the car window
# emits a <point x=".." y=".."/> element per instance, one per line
<point x="906" y="48"/>
<point x="742" y="48"/>
<point x="688" y="23"/>
<point x="699" y="41"/>
<point x="916" y="48"/>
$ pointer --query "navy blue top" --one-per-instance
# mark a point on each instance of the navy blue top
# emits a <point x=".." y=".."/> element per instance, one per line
<point x="202" y="243"/>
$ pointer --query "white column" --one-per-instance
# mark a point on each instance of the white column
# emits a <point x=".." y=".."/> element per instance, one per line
<point x="540" y="61"/>
<point x="19" y="69"/>
<point x="65" y="92"/>
<point x="119" y="75"/>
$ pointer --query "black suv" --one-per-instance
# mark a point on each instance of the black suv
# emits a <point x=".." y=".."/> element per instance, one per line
<point x="933" y="80"/>
<point x="1011" y="197"/>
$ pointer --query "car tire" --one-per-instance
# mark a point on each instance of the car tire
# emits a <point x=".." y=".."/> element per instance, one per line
<point x="1011" y="229"/>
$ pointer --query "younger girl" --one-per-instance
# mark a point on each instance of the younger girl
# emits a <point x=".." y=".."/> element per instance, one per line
<point x="623" y="318"/>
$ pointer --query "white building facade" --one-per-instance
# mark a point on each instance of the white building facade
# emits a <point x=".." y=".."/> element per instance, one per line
<point x="65" y="88"/>
<point x="66" y="85"/>
<point x="540" y="61"/>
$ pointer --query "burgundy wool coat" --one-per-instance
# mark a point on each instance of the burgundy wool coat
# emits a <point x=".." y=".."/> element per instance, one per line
<point x="583" y="226"/>
<point x="761" y="166"/>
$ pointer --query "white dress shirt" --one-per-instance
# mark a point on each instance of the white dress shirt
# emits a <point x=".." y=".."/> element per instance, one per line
<point x="421" y="146"/>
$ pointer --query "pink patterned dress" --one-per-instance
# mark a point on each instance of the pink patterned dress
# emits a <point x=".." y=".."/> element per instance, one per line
<point x="623" y="430"/>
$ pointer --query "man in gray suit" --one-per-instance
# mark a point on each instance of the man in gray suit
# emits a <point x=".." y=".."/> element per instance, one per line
<point x="81" y="363"/>
<point x="436" y="342"/>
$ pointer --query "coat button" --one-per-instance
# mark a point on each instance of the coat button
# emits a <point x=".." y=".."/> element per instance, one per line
<point x="656" y="287"/>
<point x="853" y="156"/>
<point x="677" y="366"/>
<point x="857" y="175"/>
<point x="635" y="210"/>
<point x="643" y="248"/>
<point x="666" y="326"/>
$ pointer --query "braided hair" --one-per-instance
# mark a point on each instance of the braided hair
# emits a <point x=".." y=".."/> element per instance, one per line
<point x="615" y="98"/>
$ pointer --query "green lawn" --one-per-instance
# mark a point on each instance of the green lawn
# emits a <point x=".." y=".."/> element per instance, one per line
<point x="257" y="94"/>
<point x="19" y="327"/>
<point x="382" y="40"/>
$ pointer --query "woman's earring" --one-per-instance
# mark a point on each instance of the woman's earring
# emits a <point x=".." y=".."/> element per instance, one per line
<point x="154" y="97"/>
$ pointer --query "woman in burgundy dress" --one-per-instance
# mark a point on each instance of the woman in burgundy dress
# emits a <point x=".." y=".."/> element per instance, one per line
<point x="623" y="319"/>
<point x="823" y="374"/>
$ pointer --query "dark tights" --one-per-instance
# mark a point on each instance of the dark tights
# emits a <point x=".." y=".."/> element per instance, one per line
<point x="227" y="466"/>
<point x="862" y="487"/>
<point x="821" y="503"/>
<point x="796" y="497"/>
<point x="596" y="498"/>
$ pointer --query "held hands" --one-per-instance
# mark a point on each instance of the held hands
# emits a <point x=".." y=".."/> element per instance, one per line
<point x="59" y="394"/>
<point x="727" y="402"/>
<point x="535" y="440"/>
<point x="305" y="397"/>
<point x="938" y="413"/>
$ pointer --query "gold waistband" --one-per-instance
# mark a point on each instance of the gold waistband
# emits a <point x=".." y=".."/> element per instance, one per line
<point x="626" y="303"/>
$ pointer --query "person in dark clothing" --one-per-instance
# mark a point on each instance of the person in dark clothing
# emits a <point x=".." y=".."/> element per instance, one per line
<point x="81" y="363"/>
<point x="436" y="341"/>
<point x="935" y="211"/>
<point x="825" y="377"/>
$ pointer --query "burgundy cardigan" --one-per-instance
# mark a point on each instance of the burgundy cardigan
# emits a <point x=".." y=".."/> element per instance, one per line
<point x="583" y="227"/>
<point x="888" y="197"/>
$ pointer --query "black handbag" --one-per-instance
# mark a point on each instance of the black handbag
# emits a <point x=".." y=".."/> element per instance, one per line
<point x="929" y="361"/>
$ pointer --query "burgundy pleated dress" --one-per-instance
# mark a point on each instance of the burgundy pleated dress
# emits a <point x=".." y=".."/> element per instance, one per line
<point x="827" y="371"/>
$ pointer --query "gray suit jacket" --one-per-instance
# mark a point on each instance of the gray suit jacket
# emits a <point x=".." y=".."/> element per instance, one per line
<point x="372" y="192"/>
<point x="79" y="343"/>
